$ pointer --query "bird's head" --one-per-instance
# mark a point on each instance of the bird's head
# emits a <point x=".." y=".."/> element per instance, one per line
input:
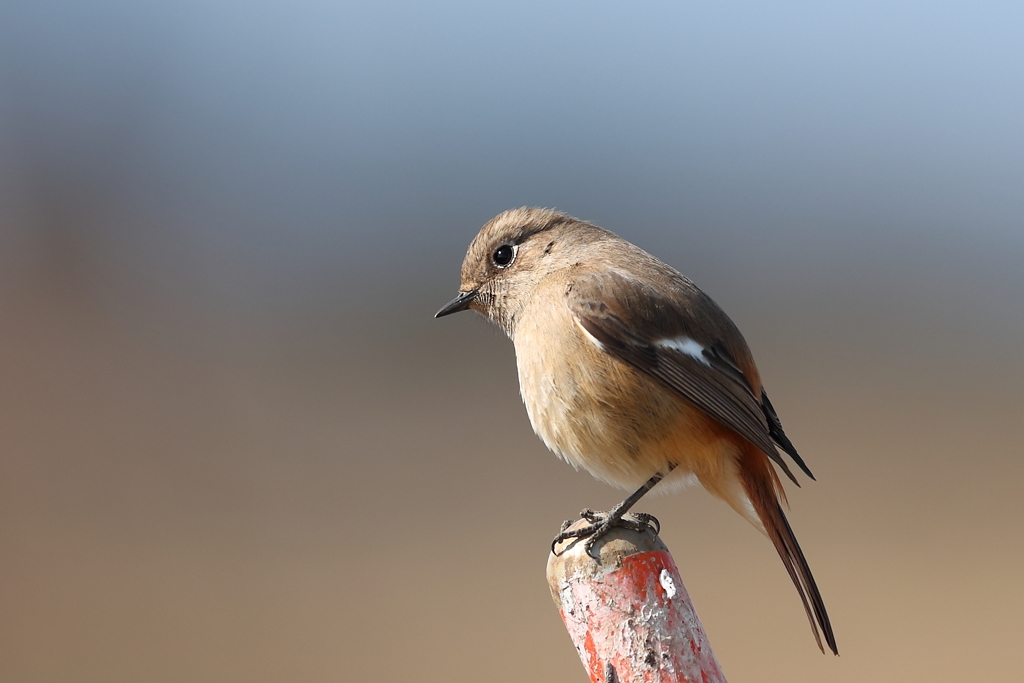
<point x="512" y="253"/>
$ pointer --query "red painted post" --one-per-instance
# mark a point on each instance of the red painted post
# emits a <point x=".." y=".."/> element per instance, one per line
<point x="628" y="613"/>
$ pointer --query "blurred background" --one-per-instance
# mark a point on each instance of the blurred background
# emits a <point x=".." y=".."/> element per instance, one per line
<point x="236" y="446"/>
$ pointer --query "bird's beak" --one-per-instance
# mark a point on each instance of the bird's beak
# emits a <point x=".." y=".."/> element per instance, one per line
<point x="459" y="303"/>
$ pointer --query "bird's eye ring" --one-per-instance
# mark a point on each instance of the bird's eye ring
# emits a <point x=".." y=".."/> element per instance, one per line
<point x="504" y="255"/>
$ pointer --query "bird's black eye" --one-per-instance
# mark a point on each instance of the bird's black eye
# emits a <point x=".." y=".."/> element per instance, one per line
<point x="503" y="255"/>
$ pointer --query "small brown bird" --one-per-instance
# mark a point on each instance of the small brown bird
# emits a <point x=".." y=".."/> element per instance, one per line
<point x="631" y="372"/>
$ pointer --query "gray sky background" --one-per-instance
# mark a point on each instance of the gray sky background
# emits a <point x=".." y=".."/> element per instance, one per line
<point x="271" y="144"/>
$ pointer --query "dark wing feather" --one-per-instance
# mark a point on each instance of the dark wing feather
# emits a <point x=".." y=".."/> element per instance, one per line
<point x="718" y="386"/>
<point x="779" y="436"/>
<point x="720" y="357"/>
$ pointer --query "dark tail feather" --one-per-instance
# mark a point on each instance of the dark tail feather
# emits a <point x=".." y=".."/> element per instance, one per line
<point x="761" y="486"/>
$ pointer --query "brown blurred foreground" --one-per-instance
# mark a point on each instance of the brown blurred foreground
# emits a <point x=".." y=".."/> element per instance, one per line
<point x="363" y="500"/>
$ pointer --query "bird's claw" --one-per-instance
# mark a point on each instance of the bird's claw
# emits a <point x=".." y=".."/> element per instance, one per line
<point x="648" y="521"/>
<point x="600" y="523"/>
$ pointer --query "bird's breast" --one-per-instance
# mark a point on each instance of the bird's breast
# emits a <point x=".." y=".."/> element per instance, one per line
<point x="599" y="413"/>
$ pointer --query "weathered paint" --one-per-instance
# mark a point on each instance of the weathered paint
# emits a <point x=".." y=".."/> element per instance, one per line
<point x="631" y="610"/>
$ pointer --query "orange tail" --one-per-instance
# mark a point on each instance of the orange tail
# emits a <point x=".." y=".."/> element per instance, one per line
<point x="763" y="488"/>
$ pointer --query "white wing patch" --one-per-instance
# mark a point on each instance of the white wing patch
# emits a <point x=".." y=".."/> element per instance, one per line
<point x="592" y="338"/>
<point x="686" y="346"/>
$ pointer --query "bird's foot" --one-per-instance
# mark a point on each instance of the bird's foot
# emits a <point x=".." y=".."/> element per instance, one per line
<point x="600" y="523"/>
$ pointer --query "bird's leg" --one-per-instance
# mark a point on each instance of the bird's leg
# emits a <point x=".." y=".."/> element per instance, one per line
<point x="602" y="522"/>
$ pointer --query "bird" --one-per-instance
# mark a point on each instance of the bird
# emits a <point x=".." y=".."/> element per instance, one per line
<point x="631" y="372"/>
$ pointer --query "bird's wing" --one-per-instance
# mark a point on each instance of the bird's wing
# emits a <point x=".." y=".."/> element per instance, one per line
<point x="657" y="335"/>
